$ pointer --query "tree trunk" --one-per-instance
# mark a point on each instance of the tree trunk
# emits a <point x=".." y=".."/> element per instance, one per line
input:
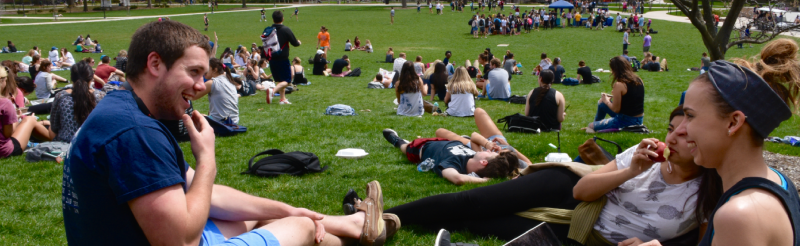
<point x="714" y="38"/>
<point x="405" y="3"/>
<point x="149" y="3"/>
<point x="244" y="3"/>
<point x="86" y="6"/>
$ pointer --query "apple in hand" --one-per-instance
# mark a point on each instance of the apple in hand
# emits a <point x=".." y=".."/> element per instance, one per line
<point x="662" y="151"/>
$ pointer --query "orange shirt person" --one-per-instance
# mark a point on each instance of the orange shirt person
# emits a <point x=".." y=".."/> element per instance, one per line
<point x="324" y="38"/>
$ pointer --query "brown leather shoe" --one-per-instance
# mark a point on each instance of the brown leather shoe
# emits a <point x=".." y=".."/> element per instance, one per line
<point x="392" y="224"/>
<point x="374" y="231"/>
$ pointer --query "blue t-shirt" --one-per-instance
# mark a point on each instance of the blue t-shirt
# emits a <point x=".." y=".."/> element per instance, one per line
<point x="447" y="154"/>
<point x="118" y="154"/>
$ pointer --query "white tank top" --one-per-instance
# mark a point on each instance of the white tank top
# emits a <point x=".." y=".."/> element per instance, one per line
<point x="410" y="104"/>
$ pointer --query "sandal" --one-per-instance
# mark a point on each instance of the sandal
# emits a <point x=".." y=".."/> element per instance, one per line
<point x="374" y="231"/>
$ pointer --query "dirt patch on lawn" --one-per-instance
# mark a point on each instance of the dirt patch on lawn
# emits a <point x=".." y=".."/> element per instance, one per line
<point x="788" y="165"/>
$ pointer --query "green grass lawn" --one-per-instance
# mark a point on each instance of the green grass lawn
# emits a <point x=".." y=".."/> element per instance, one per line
<point x="31" y="203"/>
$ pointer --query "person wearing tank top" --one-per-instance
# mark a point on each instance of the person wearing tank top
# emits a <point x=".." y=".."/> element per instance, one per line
<point x="725" y="130"/>
<point x="627" y="107"/>
<point x="546" y="103"/>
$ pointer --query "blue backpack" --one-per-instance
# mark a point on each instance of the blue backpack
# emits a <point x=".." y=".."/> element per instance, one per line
<point x="340" y="110"/>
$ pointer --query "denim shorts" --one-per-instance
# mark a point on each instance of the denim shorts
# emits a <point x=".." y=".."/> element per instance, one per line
<point x="617" y="122"/>
<point x="258" y="237"/>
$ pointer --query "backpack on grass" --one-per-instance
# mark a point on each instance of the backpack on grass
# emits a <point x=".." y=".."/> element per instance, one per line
<point x="520" y="123"/>
<point x="354" y="73"/>
<point x="293" y="163"/>
<point x="518" y="99"/>
<point x="596" y="79"/>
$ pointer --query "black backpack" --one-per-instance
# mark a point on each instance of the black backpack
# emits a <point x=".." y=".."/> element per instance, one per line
<point x="518" y="99"/>
<point x="293" y="163"/>
<point x="354" y="73"/>
<point x="520" y="123"/>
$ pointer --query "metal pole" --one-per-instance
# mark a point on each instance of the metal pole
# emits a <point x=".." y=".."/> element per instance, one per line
<point x="55" y="14"/>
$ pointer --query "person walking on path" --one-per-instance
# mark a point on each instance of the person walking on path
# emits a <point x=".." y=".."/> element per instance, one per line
<point x="625" y="42"/>
<point x="210" y="7"/>
<point x="279" y="64"/>
<point x="392" y="15"/>
<point x="205" y="20"/>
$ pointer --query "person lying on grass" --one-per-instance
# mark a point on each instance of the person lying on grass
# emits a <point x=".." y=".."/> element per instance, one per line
<point x="128" y="183"/>
<point x="455" y="161"/>
<point x="633" y="196"/>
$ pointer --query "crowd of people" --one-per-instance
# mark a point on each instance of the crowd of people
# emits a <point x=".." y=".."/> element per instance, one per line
<point x="129" y="180"/>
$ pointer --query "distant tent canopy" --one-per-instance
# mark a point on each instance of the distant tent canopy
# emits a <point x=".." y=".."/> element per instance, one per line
<point x="561" y="4"/>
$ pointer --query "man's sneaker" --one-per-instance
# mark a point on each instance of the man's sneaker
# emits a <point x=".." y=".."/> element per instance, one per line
<point x="443" y="238"/>
<point x="284" y="101"/>
<point x="269" y="96"/>
<point x="392" y="138"/>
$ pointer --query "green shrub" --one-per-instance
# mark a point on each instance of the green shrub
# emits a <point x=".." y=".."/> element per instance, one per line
<point x="134" y="7"/>
<point x="97" y="9"/>
<point x="20" y="12"/>
<point x="62" y="10"/>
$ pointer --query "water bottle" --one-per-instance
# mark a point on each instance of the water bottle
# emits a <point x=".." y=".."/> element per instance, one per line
<point x="425" y="165"/>
<point x="435" y="107"/>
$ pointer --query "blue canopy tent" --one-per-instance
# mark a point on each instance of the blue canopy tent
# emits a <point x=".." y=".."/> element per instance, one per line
<point x="561" y="4"/>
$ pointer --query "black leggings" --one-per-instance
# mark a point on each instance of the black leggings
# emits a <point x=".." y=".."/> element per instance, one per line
<point x="490" y="210"/>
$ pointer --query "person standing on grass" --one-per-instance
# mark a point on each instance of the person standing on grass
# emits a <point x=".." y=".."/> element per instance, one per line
<point x="205" y="21"/>
<point x="210" y="6"/>
<point x="128" y="183"/>
<point x="392" y="13"/>
<point x="279" y="65"/>
<point x="647" y="42"/>
<point x="297" y="13"/>
<point x="263" y="15"/>
<point x="625" y="42"/>
<point x="324" y="39"/>
<point x="419" y="6"/>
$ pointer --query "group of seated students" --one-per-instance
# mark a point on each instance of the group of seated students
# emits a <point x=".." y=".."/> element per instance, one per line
<point x="356" y="45"/>
<point x="87" y="45"/>
<point x="340" y="67"/>
<point x="715" y="186"/>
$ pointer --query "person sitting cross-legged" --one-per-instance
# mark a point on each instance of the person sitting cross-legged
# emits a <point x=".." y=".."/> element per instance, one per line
<point x="128" y="183"/>
<point x="456" y="162"/>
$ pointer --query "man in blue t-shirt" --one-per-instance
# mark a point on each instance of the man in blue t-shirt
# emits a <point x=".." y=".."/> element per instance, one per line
<point x="127" y="183"/>
<point x="454" y="161"/>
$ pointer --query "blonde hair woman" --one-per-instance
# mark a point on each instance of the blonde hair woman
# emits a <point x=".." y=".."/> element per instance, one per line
<point x="461" y="92"/>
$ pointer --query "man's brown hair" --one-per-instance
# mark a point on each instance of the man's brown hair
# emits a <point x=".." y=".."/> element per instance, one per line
<point x="169" y="39"/>
<point x="503" y="166"/>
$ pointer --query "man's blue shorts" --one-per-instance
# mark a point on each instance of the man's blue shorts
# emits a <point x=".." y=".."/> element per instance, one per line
<point x="258" y="237"/>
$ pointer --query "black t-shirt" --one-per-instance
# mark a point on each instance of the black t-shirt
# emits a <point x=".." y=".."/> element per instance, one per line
<point x="447" y="154"/>
<point x="285" y="37"/>
<point x="32" y="70"/>
<point x="319" y="66"/>
<point x="558" y="72"/>
<point x="652" y="66"/>
<point x="586" y="75"/>
<point x="338" y="66"/>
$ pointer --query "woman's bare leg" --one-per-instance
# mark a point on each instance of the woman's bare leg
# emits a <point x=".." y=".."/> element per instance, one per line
<point x="486" y="126"/>
<point x="22" y="132"/>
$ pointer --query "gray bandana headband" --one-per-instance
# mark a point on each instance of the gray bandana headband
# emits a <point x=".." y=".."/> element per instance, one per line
<point x="745" y="91"/>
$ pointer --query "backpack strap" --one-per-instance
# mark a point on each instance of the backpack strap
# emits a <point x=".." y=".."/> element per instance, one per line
<point x="266" y="152"/>
<point x="298" y="163"/>
<point x="619" y="149"/>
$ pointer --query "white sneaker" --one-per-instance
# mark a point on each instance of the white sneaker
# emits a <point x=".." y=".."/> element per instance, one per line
<point x="285" y="101"/>
<point x="269" y="96"/>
